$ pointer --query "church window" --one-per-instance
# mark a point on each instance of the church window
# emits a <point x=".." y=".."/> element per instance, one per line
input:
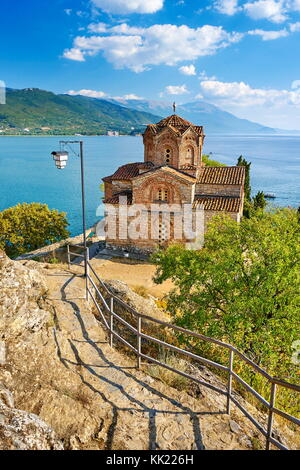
<point x="168" y="155"/>
<point x="189" y="156"/>
<point x="163" y="233"/>
<point x="163" y="195"/>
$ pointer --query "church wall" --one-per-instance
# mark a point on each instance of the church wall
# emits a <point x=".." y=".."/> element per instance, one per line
<point x="107" y="190"/>
<point x="151" y="244"/>
<point x="208" y="215"/>
<point x="190" y="150"/>
<point x="142" y="244"/>
<point x="118" y="186"/>
<point x="186" y="149"/>
<point x="166" y="141"/>
<point x="145" y="190"/>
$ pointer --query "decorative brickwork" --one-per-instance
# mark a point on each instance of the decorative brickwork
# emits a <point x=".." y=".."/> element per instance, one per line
<point x="172" y="178"/>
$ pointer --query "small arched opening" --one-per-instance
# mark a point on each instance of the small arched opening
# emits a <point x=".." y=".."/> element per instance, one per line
<point x="168" y="155"/>
<point x="162" y="195"/>
<point x="189" y="156"/>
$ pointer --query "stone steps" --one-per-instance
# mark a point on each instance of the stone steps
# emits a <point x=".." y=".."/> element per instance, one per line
<point x="138" y="411"/>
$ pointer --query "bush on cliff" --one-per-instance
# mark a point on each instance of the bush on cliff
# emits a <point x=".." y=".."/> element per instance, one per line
<point x="27" y="227"/>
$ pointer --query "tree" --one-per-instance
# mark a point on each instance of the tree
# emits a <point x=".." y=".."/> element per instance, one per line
<point x="243" y="287"/>
<point x="209" y="162"/>
<point x="259" y="201"/>
<point x="243" y="162"/>
<point x="27" y="227"/>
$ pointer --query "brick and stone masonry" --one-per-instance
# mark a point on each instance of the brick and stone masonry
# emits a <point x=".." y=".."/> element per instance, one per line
<point x="173" y="178"/>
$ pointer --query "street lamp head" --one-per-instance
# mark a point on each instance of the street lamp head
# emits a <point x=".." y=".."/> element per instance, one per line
<point x="60" y="159"/>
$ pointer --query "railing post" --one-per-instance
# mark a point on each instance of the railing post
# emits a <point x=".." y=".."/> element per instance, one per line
<point x="229" y="384"/>
<point x="139" y="342"/>
<point x="270" y="417"/>
<point x="111" y="336"/>
<point x="87" y="273"/>
<point x="68" y="255"/>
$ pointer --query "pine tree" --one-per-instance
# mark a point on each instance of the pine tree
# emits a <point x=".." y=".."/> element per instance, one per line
<point x="243" y="162"/>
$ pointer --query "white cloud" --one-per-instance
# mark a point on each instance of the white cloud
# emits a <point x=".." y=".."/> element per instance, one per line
<point x="272" y="107"/>
<point x="122" y="28"/>
<point x="176" y="90"/>
<point x="295" y="85"/>
<point x="275" y="11"/>
<point x="203" y="76"/>
<point x="269" y="35"/>
<point x="89" y="93"/>
<point x="121" y="7"/>
<point x="295" y="27"/>
<point x="74" y="54"/>
<point x="242" y="94"/>
<point x="295" y="5"/>
<point x="188" y="70"/>
<point x="98" y="28"/>
<point x="272" y="10"/>
<point x="227" y="7"/>
<point x="139" y="48"/>
<point x="68" y="11"/>
<point x="130" y="96"/>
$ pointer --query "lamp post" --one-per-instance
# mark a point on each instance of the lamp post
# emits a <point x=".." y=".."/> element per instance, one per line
<point x="61" y="158"/>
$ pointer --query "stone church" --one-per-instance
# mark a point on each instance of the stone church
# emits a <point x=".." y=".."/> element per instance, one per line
<point x="172" y="174"/>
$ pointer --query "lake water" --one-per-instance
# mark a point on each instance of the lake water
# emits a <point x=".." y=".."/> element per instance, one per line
<point x="28" y="173"/>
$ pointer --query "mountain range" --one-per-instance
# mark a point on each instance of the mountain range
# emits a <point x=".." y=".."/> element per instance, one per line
<point x="35" y="111"/>
<point x="214" y="119"/>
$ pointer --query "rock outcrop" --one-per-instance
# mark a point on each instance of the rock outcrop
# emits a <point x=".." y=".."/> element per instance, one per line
<point x="22" y="295"/>
<point x="20" y="430"/>
<point x="76" y="392"/>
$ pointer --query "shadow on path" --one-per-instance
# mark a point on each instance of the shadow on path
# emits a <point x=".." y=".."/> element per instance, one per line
<point x="137" y="404"/>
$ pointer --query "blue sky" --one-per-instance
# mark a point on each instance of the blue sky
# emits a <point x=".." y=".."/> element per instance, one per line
<point x="240" y="55"/>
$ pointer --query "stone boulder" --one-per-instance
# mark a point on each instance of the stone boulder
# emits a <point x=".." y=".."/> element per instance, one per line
<point x="22" y="292"/>
<point x="20" y="430"/>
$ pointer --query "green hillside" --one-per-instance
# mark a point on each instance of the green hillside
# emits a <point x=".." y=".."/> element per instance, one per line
<point x="43" y="112"/>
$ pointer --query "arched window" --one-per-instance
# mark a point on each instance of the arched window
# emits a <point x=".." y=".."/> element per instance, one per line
<point x="163" y="233"/>
<point x="163" y="195"/>
<point x="189" y="156"/>
<point x="168" y="156"/>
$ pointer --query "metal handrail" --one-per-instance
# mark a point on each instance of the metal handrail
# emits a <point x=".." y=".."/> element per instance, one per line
<point x="270" y="405"/>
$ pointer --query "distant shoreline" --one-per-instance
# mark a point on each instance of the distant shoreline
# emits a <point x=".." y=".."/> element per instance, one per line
<point x="128" y="135"/>
<point x="69" y="135"/>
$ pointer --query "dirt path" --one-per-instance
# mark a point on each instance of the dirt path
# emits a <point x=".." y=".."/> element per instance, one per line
<point x="135" y="274"/>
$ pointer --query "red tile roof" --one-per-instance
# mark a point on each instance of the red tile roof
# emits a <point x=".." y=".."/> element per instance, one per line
<point x="188" y="167"/>
<point x="222" y="175"/>
<point x="218" y="203"/>
<point x="171" y="170"/>
<point x="128" y="171"/>
<point x="209" y="203"/>
<point x="115" y="198"/>
<point x="174" y="120"/>
<point x="176" y="123"/>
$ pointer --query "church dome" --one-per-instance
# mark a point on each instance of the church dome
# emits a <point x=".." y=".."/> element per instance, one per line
<point x="174" y="121"/>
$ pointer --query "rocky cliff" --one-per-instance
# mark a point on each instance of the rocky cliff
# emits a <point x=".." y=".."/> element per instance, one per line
<point x="63" y="387"/>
